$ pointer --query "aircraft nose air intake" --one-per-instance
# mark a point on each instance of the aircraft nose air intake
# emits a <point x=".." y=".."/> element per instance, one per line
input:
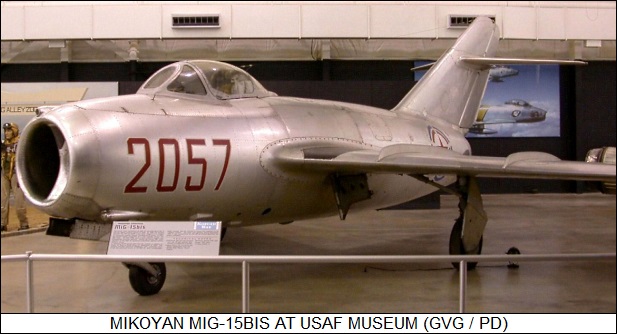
<point x="41" y="161"/>
<point x="50" y="160"/>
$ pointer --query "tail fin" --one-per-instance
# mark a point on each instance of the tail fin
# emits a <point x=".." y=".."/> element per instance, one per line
<point x="453" y="88"/>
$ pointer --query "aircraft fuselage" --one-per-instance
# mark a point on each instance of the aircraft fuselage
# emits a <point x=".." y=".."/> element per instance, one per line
<point x="179" y="159"/>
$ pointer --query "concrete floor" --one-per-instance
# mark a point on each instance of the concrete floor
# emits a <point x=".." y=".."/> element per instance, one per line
<point x="535" y="223"/>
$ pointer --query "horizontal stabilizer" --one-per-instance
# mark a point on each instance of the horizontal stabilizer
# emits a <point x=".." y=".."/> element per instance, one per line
<point x="488" y="61"/>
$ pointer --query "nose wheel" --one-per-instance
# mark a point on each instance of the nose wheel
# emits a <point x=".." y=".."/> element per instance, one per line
<point x="148" y="281"/>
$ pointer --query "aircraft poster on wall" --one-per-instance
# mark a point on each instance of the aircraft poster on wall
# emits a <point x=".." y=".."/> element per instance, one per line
<point x="520" y="101"/>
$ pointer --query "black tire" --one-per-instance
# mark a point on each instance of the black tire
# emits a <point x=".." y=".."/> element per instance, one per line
<point x="145" y="283"/>
<point x="456" y="245"/>
<point x="513" y="251"/>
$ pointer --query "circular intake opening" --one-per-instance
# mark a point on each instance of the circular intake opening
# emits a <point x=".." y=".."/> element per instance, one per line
<point x="39" y="159"/>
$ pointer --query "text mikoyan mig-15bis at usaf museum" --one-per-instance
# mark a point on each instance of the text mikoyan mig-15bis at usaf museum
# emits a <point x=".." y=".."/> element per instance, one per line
<point x="203" y="140"/>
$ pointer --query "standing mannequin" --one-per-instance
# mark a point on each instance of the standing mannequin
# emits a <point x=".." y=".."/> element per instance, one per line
<point x="9" y="180"/>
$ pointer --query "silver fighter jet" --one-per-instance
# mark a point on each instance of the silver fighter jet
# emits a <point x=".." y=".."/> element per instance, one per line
<point x="498" y="73"/>
<point x="512" y="111"/>
<point x="203" y="140"/>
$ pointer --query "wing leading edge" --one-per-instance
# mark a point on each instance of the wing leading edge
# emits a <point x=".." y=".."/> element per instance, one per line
<point x="420" y="160"/>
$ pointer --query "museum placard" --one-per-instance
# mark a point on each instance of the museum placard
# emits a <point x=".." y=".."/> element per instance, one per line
<point x="153" y="238"/>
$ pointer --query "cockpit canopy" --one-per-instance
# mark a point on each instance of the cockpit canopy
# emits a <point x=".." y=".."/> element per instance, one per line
<point x="204" y="77"/>
<point x="517" y="102"/>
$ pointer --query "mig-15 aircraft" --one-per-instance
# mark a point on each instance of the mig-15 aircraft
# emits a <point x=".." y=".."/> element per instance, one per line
<point x="204" y="140"/>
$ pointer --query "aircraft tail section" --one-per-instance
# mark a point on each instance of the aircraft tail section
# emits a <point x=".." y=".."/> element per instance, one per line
<point x="453" y="88"/>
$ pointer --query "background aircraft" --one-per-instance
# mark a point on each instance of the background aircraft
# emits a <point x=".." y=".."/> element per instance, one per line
<point x="497" y="73"/>
<point x="189" y="146"/>
<point x="512" y="111"/>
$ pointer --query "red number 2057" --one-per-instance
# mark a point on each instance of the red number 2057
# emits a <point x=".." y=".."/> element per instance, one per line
<point x="190" y="184"/>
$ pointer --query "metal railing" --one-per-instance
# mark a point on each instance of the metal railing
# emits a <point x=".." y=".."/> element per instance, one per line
<point x="29" y="258"/>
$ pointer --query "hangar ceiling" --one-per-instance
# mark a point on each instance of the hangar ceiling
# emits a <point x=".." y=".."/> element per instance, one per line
<point x="148" y="31"/>
<point x="281" y="49"/>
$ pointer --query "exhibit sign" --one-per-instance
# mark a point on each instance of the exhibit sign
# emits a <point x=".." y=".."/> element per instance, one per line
<point x="154" y="238"/>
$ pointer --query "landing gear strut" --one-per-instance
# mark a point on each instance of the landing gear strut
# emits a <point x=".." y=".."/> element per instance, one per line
<point x="466" y="235"/>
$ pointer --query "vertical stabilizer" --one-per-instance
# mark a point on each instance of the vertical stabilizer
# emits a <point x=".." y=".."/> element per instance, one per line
<point x="452" y="89"/>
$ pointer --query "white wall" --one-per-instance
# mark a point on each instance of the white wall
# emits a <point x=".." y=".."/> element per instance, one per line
<point x="118" y="31"/>
<point x="537" y="20"/>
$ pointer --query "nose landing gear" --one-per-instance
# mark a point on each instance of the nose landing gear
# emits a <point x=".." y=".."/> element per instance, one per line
<point x="147" y="278"/>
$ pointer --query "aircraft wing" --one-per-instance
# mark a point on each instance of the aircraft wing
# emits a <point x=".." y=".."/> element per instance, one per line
<point x="420" y="160"/>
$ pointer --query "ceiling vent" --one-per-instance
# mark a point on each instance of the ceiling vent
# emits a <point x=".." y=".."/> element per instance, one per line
<point x="180" y="21"/>
<point x="463" y="21"/>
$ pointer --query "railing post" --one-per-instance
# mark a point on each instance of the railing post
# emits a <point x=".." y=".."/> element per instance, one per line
<point x="245" y="286"/>
<point x="29" y="284"/>
<point x="462" y="286"/>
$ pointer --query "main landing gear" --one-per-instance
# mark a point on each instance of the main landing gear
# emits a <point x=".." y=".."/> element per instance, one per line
<point x="466" y="235"/>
